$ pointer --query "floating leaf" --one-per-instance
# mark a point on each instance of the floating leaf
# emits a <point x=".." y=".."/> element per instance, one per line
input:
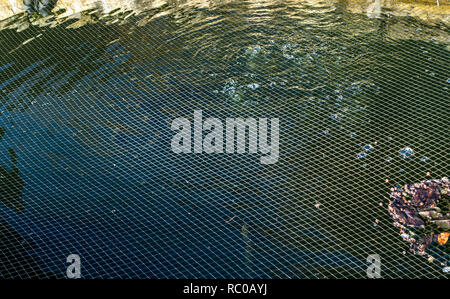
<point x="443" y="238"/>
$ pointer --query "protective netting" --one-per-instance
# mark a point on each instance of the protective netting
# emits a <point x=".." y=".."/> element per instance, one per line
<point x="87" y="167"/>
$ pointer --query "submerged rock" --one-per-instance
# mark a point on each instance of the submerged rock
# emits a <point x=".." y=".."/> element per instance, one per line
<point x="443" y="223"/>
<point x="421" y="211"/>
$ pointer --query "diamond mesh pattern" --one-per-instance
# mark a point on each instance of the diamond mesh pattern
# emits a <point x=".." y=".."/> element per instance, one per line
<point x="86" y="109"/>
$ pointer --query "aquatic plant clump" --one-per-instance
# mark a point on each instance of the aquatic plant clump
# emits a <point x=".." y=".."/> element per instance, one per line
<point x="421" y="211"/>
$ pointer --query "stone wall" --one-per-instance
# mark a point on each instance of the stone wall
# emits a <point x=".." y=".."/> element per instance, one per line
<point x="427" y="10"/>
<point x="11" y="7"/>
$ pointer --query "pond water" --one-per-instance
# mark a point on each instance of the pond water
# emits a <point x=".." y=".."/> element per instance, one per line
<point x="86" y="106"/>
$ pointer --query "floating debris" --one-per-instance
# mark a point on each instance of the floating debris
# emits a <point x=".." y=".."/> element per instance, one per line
<point x="289" y="47"/>
<point x="406" y="153"/>
<point x="253" y="86"/>
<point x="252" y="51"/>
<point x="361" y="156"/>
<point x="42" y="7"/>
<point x="231" y="219"/>
<point x="421" y="211"/>
<point x="367" y="148"/>
<point x="336" y="116"/>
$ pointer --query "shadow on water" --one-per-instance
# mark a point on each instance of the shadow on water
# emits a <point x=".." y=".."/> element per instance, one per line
<point x="16" y="261"/>
<point x="89" y="101"/>
<point x="11" y="185"/>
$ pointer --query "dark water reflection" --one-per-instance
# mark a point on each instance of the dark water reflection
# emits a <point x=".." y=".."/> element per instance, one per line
<point x="88" y="111"/>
